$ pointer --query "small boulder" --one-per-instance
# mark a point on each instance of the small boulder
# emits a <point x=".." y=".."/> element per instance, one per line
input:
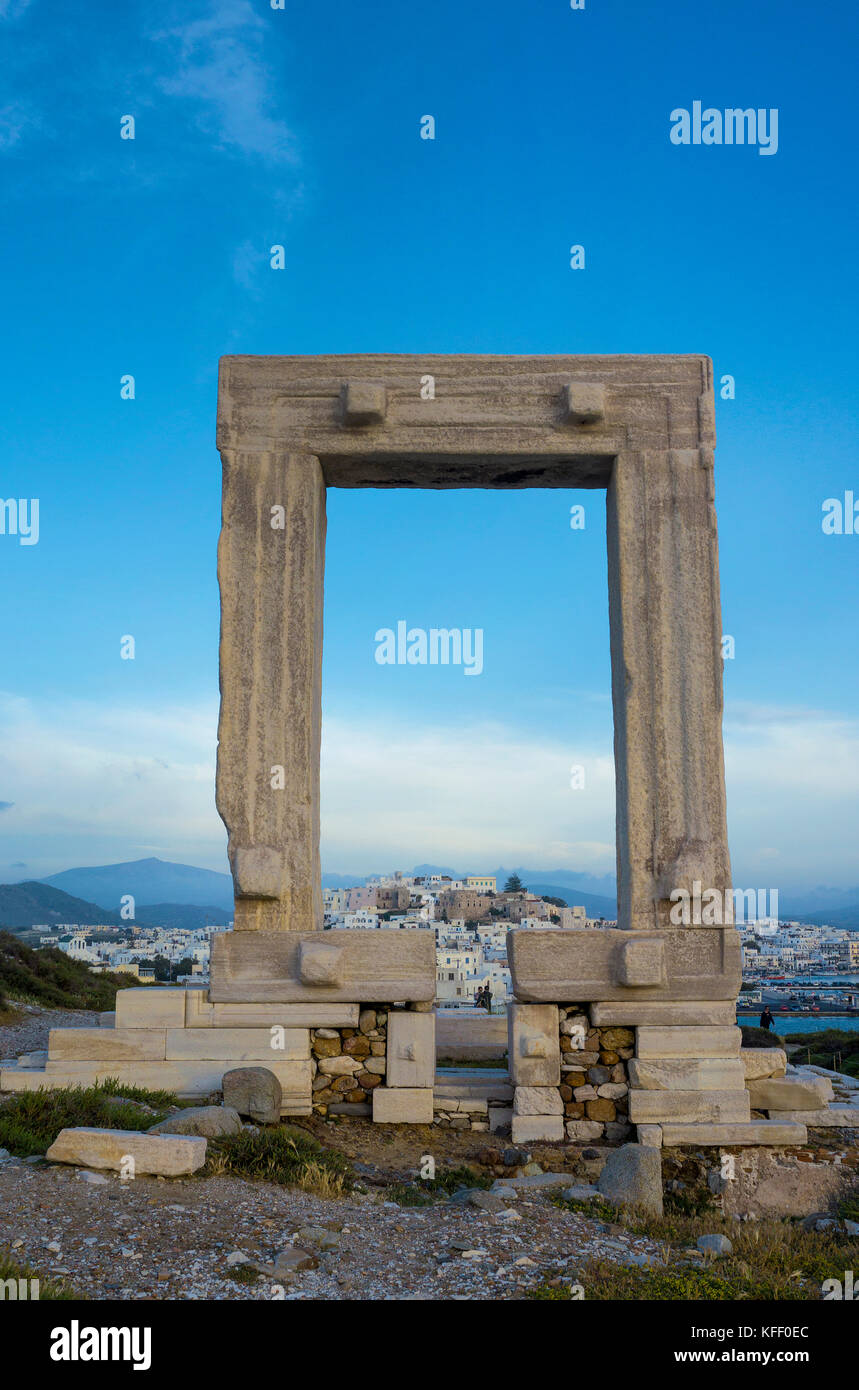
<point x="255" y="1092"/>
<point x="632" y="1177"/>
<point x="714" y="1245"/>
<point x="211" y="1121"/>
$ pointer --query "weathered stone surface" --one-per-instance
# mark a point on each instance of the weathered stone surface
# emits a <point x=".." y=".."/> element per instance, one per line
<point x="528" y="1129"/>
<point x="342" y="1065"/>
<point x="578" y="1130"/>
<point x="687" y="1074"/>
<point x="830" y="1117"/>
<point x="699" y="961"/>
<point x="762" y="1062"/>
<point x="534" y="1051"/>
<point x="632" y="1177"/>
<point x="239" y="1044"/>
<point x="616" y="1037"/>
<point x="404" y="1105"/>
<point x="285" y="966"/>
<point x="150" y="1007"/>
<point x="199" y="1013"/>
<point x="656" y="1107"/>
<point x="689" y="1041"/>
<point x="537" y="1100"/>
<point x="601" y="421"/>
<point x="500" y="1117"/>
<point x="411" y="1049"/>
<point x="271" y="675"/>
<point x="729" y="1133"/>
<point x="255" y="1092"/>
<point x="209" y="1121"/>
<point x="168" y="1156"/>
<point x="650" y="1136"/>
<point x="479" y="1037"/>
<point x="784" y="1094"/>
<point x="107" y="1044"/>
<point x="602" y="1110"/>
<point x="633" y="1013"/>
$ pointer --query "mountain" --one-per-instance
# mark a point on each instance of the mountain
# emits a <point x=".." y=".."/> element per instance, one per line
<point x="148" y="881"/>
<point x="36" y="904"/>
<point x="845" y="917"/>
<point x="184" y="916"/>
<point x="594" y="903"/>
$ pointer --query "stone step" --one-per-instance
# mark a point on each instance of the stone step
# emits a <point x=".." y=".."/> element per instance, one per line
<point x="830" y="1117"/>
<point x="487" y="1084"/>
<point x="779" y="1131"/>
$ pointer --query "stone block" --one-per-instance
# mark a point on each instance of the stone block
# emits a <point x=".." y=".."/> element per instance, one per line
<point x="168" y="1156"/>
<point x="107" y="1044"/>
<point x="650" y="1136"/>
<point x="209" y="1121"/>
<point x="150" y="1007"/>
<point x="200" y="1013"/>
<point x="411" y="1048"/>
<point x="534" y="1054"/>
<point x="633" y="1013"/>
<point x="537" y="1100"/>
<point x="687" y="1074"/>
<point x="760" y="1063"/>
<point x="831" y="1117"/>
<point x="589" y="965"/>
<point x="641" y="961"/>
<point x="500" y="1117"/>
<point x="534" y="1129"/>
<point x="579" y="1131"/>
<point x="655" y="1107"/>
<point x="632" y="1177"/>
<point x="729" y="1134"/>
<point x="364" y="402"/>
<point x="268" y="967"/>
<point x="780" y="1093"/>
<point x="238" y="1044"/>
<point x="584" y="402"/>
<point x="653" y="1042"/>
<point x="402" y="1105"/>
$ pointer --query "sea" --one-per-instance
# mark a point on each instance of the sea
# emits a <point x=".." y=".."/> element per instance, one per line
<point x="806" y="1023"/>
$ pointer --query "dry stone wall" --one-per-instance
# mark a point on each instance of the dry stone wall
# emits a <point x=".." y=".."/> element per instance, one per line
<point x="349" y="1063"/>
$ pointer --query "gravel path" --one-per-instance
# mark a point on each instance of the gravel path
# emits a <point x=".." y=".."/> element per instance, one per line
<point x="160" y="1239"/>
<point x="31" y="1033"/>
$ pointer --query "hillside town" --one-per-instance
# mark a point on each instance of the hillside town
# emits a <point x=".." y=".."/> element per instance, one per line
<point x="470" y="916"/>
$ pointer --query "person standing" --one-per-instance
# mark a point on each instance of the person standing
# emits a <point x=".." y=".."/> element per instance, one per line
<point x="487" y="998"/>
<point x="767" y="1020"/>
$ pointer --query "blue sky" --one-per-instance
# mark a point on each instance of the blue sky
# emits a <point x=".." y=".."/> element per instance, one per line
<point x="301" y="127"/>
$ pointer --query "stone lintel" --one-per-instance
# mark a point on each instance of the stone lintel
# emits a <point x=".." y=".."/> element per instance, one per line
<point x="632" y="1013"/>
<point x="588" y="965"/>
<point x="373" y="966"/>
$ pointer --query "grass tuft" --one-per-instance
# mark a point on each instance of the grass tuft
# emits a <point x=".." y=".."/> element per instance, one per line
<point x="50" y="1290"/>
<point x="31" y="1120"/>
<point x="284" y="1154"/>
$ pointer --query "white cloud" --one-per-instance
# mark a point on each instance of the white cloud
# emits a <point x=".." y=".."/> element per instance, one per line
<point x="94" y="784"/>
<point x="218" y="62"/>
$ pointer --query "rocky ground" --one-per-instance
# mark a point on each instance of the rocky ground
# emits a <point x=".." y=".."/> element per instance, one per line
<point x="28" y="1032"/>
<point x="185" y="1239"/>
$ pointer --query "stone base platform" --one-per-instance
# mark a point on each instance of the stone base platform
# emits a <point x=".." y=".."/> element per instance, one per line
<point x="325" y="1054"/>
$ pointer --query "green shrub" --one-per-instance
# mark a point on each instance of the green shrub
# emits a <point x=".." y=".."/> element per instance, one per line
<point x="31" y="1120"/>
<point x="760" y="1037"/>
<point x="51" y="978"/>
